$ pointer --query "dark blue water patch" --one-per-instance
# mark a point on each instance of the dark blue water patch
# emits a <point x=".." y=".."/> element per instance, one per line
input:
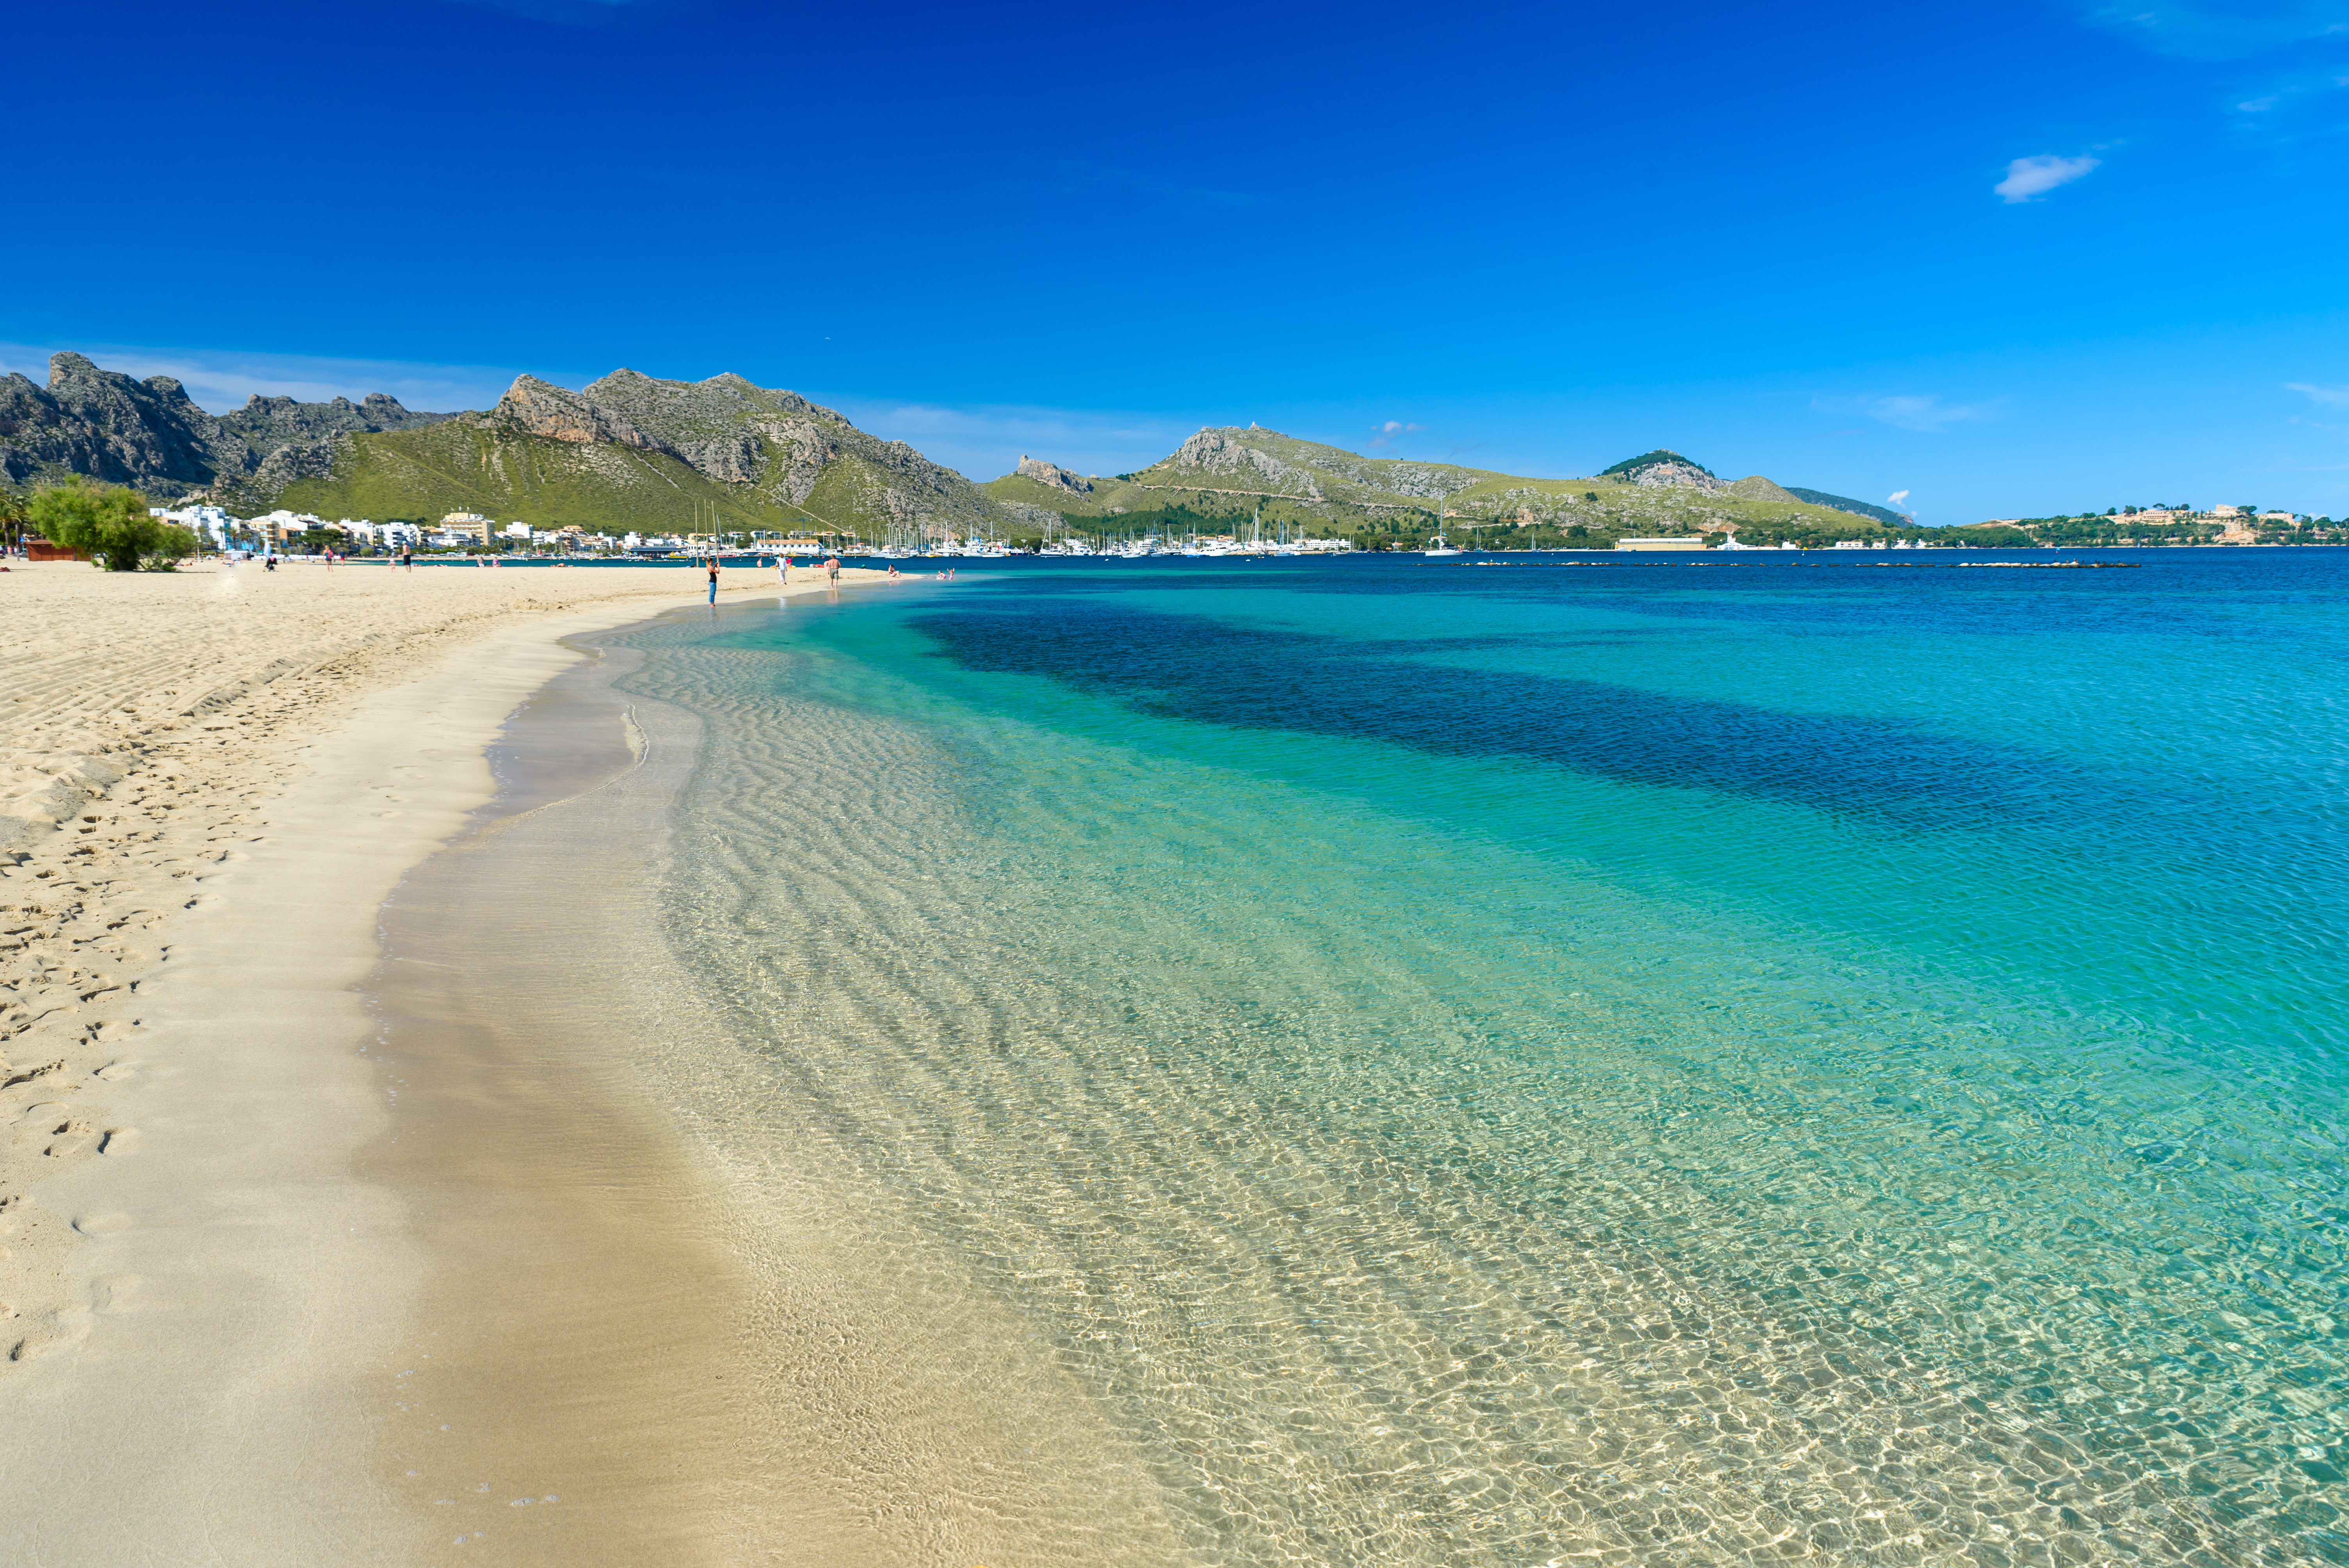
<point x="1207" y="670"/>
<point x="2172" y="592"/>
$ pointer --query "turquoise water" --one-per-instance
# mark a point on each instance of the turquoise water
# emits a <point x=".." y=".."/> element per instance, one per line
<point x="1649" y="1062"/>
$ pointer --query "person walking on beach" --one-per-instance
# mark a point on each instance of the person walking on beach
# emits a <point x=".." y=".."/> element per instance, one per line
<point x="407" y="560"/>
<point x="783" y="570"/>
<point x="832" y="569"/>
<point x="713" y="580"/>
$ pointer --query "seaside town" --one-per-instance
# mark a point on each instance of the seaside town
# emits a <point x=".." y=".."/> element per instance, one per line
<point x="282" y="533"/>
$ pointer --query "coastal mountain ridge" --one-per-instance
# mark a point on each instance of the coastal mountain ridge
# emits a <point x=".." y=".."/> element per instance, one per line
<point x="636" y="451"/>
<point x="1269" y="476"/>
<point x="627" y="451"/>
<point x="150" y="434"/>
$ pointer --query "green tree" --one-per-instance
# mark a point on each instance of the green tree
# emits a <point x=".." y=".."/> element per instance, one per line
<point x="13" y="508"/>
<point x="111" y="523"/>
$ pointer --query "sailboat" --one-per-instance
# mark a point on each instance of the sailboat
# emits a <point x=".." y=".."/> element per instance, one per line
<point x="1437" y="545"/>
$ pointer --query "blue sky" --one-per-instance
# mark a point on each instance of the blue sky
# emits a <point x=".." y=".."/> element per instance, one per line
<point x="2011" y="258"/>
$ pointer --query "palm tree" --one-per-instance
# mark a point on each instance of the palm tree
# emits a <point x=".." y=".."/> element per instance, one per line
<point x="13" y="508"/>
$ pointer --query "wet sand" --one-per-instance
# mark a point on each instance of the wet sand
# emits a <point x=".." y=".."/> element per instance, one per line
<point x="659" y="1320"/>
<point x="223" y="1228"/>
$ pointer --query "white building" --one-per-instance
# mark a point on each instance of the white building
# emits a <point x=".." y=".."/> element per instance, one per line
<point x="278" y="526"/>
<point x="205" y="521"/>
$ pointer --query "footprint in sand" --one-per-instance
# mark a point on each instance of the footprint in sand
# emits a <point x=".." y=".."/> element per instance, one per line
<point x="104" y="1222"/>
<point x="52" y="1331"/>
<point x="119" y="1141"/>
<point x="115" y="1293"/>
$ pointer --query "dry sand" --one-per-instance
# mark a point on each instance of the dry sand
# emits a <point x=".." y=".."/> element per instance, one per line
<point x="209" y="783"/>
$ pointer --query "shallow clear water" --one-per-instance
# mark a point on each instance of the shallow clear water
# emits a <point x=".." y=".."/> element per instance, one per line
<point x="1661" y="1061"/>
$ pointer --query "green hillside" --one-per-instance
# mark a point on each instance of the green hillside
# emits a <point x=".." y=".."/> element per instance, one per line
<point x="473" y="465"/>
<point x="1225" y="479"/>
<point x="1884" y="515"/>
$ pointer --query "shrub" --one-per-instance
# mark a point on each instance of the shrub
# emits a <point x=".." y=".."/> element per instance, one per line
<point x="110" y="522"/>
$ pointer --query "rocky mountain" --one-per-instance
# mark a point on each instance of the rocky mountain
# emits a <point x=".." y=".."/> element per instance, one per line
<point x="1664" y="467"/>
<point x="150" y="434"/>
<point x="1053" y="476"/>
<point x="1228" y="475"/>
<point x="635" y="451"/>
<point x="628" y="451"/>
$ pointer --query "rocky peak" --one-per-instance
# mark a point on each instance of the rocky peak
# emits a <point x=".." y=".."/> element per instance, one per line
<point x="1682" y="474"/>
<point x="1229" y="451"/>
<point x="1664" y="467"/>
<point x="1054" y="475"/>
<point x="108" y="425"/>
<point x="68" y="366"/>
<point x="264" y="424"/>
<point x="150" y="434"/>
<point x="542" y="408"/>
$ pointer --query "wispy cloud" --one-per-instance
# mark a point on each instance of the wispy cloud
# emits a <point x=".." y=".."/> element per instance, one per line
<point x="220" y="381"/>
<point x="2330" y="396"/>
<point x="2289" y="107"/>
<point x="2028" y="178"/>
<point x="1392" y="431"/>
<point x="1079" y="178"/>
<point x="982" y="441"/>
<point x="1895" y="498"/>
<point x="2230" y="30"/>
<point x="1924" y="413"/>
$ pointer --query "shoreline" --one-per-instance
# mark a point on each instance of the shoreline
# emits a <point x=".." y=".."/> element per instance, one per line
<point x="200" y="1273"/>
<point x="808" y="1377"/>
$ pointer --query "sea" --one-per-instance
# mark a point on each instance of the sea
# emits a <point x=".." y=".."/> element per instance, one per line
<point x="1523" y="1059"/>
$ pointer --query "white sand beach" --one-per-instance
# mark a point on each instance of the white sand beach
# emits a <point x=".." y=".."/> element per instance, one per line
<point x="209" y="782"/>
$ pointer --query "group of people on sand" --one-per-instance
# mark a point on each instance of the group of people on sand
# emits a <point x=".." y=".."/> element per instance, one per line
<point x="830" y="568"/>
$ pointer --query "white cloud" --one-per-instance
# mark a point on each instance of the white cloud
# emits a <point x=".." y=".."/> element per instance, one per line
<point x="1895" y="498"/>
<point x="2330" y="396"/>
<point x="1393" y="430"/>
<point x="2030" y="176"/>
<point x="221" y="382"/>
<point x="2231" y="29"/>
<point x="1926" y="413"/>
